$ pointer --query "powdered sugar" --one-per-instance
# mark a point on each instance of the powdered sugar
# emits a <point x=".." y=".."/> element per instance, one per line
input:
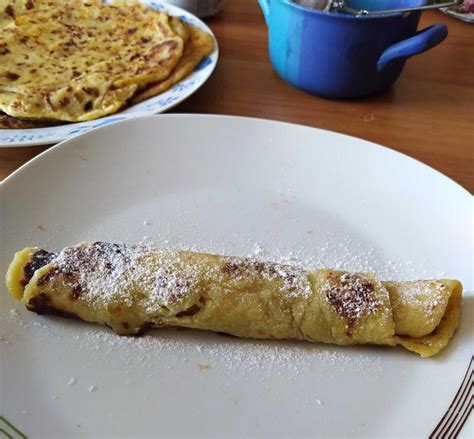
<point x="339" y="254"/>
<point x="170" y="286"/>
<point x="234" y="356"/>
<point x="293" y="281"/>
<point x="103" y="274"/>
<point x="430" y="297"/>
<point x="352" y="296"/>
<point x="100" y="271"/>
<point x="237" y="357"/>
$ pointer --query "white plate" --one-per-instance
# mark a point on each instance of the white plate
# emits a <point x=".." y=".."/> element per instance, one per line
<point x="157" y="104"/>
<point x="239" y="186"/>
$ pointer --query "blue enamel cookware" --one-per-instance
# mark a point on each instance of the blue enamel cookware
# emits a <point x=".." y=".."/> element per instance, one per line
<point x="339" y="55"/>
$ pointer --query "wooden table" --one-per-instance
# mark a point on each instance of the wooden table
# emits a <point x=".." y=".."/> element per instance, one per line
<point x="428" y="114"/>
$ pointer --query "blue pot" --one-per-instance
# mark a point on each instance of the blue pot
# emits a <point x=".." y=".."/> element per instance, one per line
<point x="338" y="55"/>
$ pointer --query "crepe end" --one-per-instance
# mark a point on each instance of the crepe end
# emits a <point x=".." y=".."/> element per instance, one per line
<point x="23" y="267"/>
<point x="431" y="344"/>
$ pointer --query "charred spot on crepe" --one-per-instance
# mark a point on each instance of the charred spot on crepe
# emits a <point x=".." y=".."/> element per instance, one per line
<point x="193" y="310"/>
<point x="38" y="259"/>
<point x="42" y="305"/>
<point x="239" y="267"/>
<point x="171" y="287"/>
<point x="76" y="292"/>
<point x="232" y="268"/>
<point x="73" y="260"/>
<point x="51" y="274"/>
<point x="352" y="297"/>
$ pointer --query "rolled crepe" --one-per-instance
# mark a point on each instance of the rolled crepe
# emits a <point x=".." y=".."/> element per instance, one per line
<point x="134" y="288"/>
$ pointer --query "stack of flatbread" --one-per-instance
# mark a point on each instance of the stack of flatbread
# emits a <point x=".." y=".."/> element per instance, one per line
<point x="78" y="60"/>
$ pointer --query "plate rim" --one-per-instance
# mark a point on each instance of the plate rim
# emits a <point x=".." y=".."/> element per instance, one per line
<point x="63" y="144"/>
<point x="54" y="139"/>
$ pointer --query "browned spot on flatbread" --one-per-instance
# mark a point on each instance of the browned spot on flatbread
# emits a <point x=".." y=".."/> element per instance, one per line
<point x="78" y="96"/>
<point x="159" y="48"/>
<point x="41" y="304"/>
<point x="4" y="50"/>
<point x="49" y="101"/>
<point x="10" y="11"/>
<point x="11" y="76"/>
<point x="64" y="101"/>
<point x="163" y="28"/>
<point x="92" y="91"/>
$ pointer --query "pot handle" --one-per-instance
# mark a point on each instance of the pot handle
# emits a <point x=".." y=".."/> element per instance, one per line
<point x="265" y="7"/>
<point x="421" y="42"/>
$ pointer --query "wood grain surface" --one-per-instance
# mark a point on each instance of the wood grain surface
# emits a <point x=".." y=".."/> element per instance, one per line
<point x="428" y="114"/>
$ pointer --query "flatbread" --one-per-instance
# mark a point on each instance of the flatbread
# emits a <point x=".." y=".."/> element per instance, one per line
<point x="198" y="46"/>
<point x="9" y="122"/>
<point x="82" y="59"/>
<point x="180" y="28"/>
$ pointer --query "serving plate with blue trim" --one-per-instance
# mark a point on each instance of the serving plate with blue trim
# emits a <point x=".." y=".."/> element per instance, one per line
<point x="157" y="104"/>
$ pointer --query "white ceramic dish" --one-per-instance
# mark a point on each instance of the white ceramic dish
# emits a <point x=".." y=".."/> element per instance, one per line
<point x="238" y="186"/>
<point x="157" y="104"/>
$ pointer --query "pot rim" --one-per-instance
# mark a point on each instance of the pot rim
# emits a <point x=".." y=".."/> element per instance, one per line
<point x="290" y="3"/>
